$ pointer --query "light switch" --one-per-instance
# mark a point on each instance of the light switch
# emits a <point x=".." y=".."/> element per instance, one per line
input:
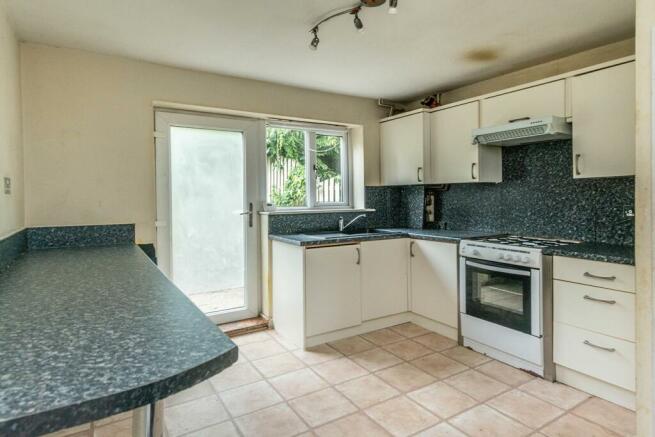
<point x="7" y="185"/>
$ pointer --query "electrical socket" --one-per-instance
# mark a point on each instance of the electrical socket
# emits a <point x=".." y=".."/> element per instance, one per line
<point x="7" y="185"/>
<point x="628" y="212"/>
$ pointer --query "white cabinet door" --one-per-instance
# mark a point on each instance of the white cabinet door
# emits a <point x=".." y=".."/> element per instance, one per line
<point x="453" y="157"/>
<point x="384" y="277"/>
<point x="332" y="288"/>
<point x="433" y="266"/>
<point x="534" y="102"/>
<point x="403" y="145"/>
<point x="603" y="111"/>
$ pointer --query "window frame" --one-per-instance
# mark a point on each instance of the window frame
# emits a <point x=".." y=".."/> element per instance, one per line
<point x="311" y="130"/>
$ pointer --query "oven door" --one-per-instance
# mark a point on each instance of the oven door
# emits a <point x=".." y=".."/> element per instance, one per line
<point x="503" y="294"/>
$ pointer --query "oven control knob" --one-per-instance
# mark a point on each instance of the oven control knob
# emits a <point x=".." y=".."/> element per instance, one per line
<point x="501" y="256"/>
<point x="476" y="253"/>
<point x="526" y="259"/>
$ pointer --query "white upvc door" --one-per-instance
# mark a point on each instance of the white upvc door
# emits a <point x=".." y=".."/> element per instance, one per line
<point x="207" y="223"/>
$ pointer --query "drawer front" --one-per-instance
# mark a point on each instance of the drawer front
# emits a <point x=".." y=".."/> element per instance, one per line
<point x="595" y="309"/>
<point x="599" y="274"/>
<point x="579" y="349"/>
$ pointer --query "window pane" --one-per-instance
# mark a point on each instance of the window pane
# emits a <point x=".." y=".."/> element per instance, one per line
<point x="285" y="165"/>
<point x="329" y="154"/>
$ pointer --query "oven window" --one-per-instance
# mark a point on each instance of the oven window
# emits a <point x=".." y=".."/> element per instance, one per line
<point x="499" y="294"/>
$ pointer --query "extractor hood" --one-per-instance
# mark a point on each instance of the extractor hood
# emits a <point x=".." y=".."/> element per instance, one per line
<point x="523" y="131"/>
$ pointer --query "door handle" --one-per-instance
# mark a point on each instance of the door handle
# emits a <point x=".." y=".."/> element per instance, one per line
<point x="418" y="174"/>
<point x="249" y="214"/>
<point x="577" y="164"/>
<point x="411" y="249"/>
<point x="595" y="299"/>
<point x="607" y="349"/>
<point x="359" y="256"/>
<point x="604" y="278"/>
<point x="473" y="171"/>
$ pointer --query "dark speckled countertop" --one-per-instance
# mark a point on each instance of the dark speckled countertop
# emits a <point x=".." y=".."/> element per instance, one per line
<point x="610" y="253"/>
<point x="309" y="239"/>
<point x="87" y="333"/>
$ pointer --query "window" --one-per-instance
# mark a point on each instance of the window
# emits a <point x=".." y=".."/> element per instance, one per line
<point x="306" y="166"/>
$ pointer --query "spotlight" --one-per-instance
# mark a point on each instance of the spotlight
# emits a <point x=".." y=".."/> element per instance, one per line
<point x="358" y="24"/>
<point x="393" y="6"/>
<point x="314" y="44"/>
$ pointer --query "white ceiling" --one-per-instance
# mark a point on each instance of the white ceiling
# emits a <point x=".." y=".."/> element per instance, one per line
<point x="422" y="48"/>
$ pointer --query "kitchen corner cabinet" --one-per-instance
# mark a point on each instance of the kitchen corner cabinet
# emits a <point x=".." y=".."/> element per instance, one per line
<point x="384" y="277"/>
<point x="404" y="148"/>
<point x="453" y="157"/>
<point x="433" y="280"/>
<point x="603" y="111"/>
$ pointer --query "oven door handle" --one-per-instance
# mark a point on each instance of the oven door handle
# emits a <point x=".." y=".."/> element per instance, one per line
<point x="498" y="269"/>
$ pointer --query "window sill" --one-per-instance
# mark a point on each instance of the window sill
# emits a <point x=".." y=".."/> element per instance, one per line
<point x="315" y="211"/>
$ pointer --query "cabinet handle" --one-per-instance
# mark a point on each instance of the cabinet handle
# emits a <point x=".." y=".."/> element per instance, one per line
<point x="418" y="174"/>
<point x="604" y="278"/>
<point x="595" y="299"/>
<point x="411" y="249"/>
<point x="577" y="164"/>
<point x="607" y="349"/>
<point x="359" y="256"/>
<point x="514" y="120"/>
<point x="473" y="170"/>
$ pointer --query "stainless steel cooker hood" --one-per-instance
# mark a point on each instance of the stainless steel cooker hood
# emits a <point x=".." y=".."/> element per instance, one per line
<point x="523" y="131"/>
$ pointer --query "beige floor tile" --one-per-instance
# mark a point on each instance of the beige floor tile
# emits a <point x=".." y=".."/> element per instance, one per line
<point x="122" y="428"/>
<point x="197" y="391"/>
<point x="401" y="417"/>
<point x="307" y="434"/>
<point x="248" y="398"/>
<point x="278" y="364"/>
<point x="279" y="421"/>
<point x="340" y="370"/>
<point x="367" y="390"/>
<point x="322" y="407"/>
<point x="225" y="429"/>
<point x="356" y="425"/>
<point x="382" y="337"/>
<point x="466" y="356"/>
<point x="560" y="395"/>
<point x="483" y="421"/>
<point x="317" y="354"/>
<point x="504" y="373"/>
<point x="478" y="386"/>
<point x="442" y="399"/>
<point x="261" y="349"/>
<point x="410" y="330"/>
<point x="251" y="338"/>
<point x="618" y="419"/>
<point x="441" y="430"/>
<point x="527" y="409"/>
<point x="405" y="377"/>
<point x="298" y="383"/>
<point x="408" y="350"/>
<point x="287" y="344"/>
<point x="574" y="426"/>
<point x="435" y="341"/>
<point x="375" y="359"/>
<point x="439" y="365"/>
<point x="352" y="345"/>
<point x="235" y="376"/>
<point x="194" y="415"/>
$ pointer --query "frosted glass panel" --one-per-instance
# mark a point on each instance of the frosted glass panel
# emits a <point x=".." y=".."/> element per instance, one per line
<point x="208" y="239"/>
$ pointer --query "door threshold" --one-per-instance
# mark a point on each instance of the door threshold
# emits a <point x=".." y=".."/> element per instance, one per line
<point x="242" y="327"/>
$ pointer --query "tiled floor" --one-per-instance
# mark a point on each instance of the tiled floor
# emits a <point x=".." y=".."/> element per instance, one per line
<point x="399" y="381"/>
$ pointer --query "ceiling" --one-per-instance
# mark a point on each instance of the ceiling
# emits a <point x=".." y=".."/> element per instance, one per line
<point x="429" y="45"/>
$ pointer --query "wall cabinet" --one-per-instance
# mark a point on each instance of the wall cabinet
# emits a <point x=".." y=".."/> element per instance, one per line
<point x="538" y="101"/>
<point x="404" y="149"/>
<point x="603" y="111"/>
<point x="453" y="157"/>
<point x="433" y="266"/>
<point x="384" y="277"/>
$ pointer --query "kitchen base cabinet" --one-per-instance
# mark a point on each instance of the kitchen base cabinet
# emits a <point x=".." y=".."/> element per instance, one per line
<point x="384" y="277"/>
<point x="433" y="281"/>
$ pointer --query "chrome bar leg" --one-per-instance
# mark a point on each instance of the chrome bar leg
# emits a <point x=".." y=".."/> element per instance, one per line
<point x="148" y="421"/>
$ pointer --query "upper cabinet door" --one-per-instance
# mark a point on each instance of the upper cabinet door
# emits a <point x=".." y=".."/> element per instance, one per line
<point x="453" y="157"/>
<point x="603" y="111"/>
<point x="538" y="101"/>
<point x="403" y="146"/>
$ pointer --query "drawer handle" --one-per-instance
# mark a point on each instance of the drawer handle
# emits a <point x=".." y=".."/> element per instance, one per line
<point x="607" y="349"/>
<point x="604" y="278"/>
<point x="359" y="256"/>
<point x="595" y="299"/>
<point x="411" y="249"/>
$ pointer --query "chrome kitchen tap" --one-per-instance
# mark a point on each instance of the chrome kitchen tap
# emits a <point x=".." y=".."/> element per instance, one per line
<point x="343" y="227"/>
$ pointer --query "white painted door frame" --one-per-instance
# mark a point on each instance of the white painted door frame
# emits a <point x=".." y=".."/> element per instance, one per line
<point x="254" y="154"/>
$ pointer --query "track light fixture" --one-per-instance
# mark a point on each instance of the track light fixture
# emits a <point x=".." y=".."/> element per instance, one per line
<point x="353" y="10"/>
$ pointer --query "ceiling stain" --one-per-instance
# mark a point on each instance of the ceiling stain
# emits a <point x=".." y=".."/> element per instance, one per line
<point x="482" y="55"/>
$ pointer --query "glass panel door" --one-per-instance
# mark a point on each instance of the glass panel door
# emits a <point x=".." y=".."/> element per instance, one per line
<point x="205" y="240"/>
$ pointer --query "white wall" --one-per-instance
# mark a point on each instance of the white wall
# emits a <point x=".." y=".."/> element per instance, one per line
<point x="11" y="151"/>
<point x="88" y="123"/>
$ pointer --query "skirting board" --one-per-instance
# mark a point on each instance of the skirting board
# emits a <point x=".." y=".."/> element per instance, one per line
<point x="595" y="387"/>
